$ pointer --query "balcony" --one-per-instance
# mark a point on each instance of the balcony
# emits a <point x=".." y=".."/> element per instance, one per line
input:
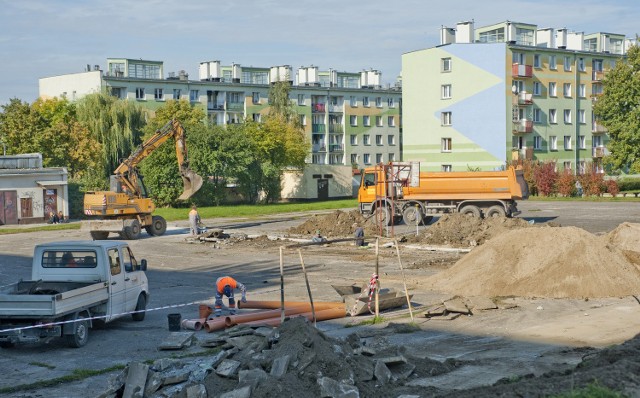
<point x="518" y="155"/>
<point x="597" y="76"/>
<point x="336" y="128"/>
<point x="335" y="109"/>
<point x="523" y="98"/>
<point x="597" y="128"/>
<point x="518" y="70"/>
<point x="318" y="148"/>
<point x="599" y="152"/>
<point x="318" y="128"/>
<point x="523" y="126"/>
<point x="235" y="106"/>
<point x="215" y="106"/>
<point x="318" y="108"/>
<point x="336" y="148"/>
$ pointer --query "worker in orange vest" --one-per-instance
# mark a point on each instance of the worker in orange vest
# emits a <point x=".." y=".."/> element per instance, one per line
<point x="225" y="285"/>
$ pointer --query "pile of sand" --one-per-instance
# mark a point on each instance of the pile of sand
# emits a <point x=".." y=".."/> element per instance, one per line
<point x="459" y="230"/>
<point x="335" y="224"/>
<point x="562" y="262"/>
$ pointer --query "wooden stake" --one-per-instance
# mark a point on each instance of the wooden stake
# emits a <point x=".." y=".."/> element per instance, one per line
<point x="404" y="280"/>
<point x="306" y="280"/>
<point x="281" y="284"/>
<point x="378" y="281"/>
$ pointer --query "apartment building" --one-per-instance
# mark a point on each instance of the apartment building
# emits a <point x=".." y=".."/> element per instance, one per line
<point x="507" y="92"/>
<point x="349" y="117"/>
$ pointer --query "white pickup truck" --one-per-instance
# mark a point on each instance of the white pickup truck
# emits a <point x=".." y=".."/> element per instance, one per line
<point x="74" y="285"/>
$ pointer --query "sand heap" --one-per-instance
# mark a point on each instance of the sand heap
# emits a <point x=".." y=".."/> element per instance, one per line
<point x="336" y="224"/>
<point x="562" y="262"/>
<point x="459" y="230"/>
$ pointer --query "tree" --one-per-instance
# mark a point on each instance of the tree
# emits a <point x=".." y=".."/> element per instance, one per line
<point x="618" y="109"/>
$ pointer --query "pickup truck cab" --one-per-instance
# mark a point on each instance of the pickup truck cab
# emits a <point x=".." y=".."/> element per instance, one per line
<point x="74" y="285"/>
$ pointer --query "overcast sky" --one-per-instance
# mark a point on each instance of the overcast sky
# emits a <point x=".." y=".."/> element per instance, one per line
<point x="41" y="38"/>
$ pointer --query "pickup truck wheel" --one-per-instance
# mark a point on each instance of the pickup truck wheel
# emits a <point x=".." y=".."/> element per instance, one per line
<point x="132" y="232"/>
<point x="158" y="226"/>
<point x="412" y="215"/>
<point x="496" y="211"/>
<point x="470" y="210"/>
<point x="80" y="334"/>
<point x="99" y="235"/>
<point x="140" y="306"/>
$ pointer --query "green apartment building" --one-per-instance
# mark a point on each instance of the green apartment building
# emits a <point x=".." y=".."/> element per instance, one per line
<point x="490" y="96"/>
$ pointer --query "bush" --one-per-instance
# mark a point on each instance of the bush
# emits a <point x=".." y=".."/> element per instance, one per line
<point x="566" y="184"/>
<point x="629" y="184"/>
<point x="612" y="187"/>
<point x="545" y="176"/>
<point x="593" y="184"/>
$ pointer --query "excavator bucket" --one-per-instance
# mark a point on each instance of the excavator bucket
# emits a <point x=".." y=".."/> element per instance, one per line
<point x="192" y="183"/>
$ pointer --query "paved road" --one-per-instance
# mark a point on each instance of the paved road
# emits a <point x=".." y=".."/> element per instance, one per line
<point x="182" y="273"/>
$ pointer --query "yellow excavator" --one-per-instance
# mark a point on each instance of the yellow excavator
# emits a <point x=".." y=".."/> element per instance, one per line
<point x="126" y="208"/>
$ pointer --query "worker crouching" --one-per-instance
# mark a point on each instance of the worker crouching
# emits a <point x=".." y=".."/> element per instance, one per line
<point x="225" y="286"/>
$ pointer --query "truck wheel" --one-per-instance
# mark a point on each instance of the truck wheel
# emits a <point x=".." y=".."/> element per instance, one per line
<point x="412" y="215"/>
<point x="99" y="235"/>
<point x="470" y="210"/>
<point x="158" y="226"/>
<point x="80" y="334"/>
<point x="132" y="232"/>
<point x="382" y="215"/>
<point x="140" y="306"/>
<point x="496" y="211"/>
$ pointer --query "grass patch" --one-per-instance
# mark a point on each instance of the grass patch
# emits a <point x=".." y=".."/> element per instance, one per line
<point x="42" y="365"/>
<point x="582" y="199"/>
<point x="77" y="374"/>
<point x="53" y="227"/>
<point x="593" y="390"/>
<point x="373" y="321"/>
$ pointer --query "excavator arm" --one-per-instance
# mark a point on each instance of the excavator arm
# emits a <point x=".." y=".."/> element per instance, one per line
<point x="127" y="171"/>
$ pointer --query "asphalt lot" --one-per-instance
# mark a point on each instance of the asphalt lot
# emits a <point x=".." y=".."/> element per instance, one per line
<point x="183" y="274"/>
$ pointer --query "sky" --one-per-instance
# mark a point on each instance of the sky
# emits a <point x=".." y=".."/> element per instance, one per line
<point x="43" y="38"/>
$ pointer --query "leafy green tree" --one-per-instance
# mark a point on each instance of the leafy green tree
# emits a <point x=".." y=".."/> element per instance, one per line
<point x="618" y="109"/>
<point x="18" y="123"/>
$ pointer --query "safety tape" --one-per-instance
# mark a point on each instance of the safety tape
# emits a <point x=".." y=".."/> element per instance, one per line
<point x="46" y="325"/>
<point x="371" y="287"/>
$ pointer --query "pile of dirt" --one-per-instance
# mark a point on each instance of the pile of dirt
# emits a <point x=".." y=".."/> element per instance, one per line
<point x="562" y="262"/>
<point x="459" y="230"/>
<point x="336" y="224"/>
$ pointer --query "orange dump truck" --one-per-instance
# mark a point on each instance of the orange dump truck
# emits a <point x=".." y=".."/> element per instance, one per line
<point x="398" y="190"/>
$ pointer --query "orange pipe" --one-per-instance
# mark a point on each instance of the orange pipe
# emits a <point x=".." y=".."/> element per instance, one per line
<point x="192" y="324"/>
<point x="322" y="315"/>
<point x="272" y="305"/>
<point x="204" y="311"/>
<point x="258" y="315"/>
<point x="214" y="324"/>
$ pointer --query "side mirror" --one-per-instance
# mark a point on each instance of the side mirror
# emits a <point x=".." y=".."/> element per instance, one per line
<point x="143" y="264"/>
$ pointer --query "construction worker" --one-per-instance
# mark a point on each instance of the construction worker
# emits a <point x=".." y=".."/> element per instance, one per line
<point x="225" y="285"/>
<point x="358" y="234"/>
<point x="194" y="220"/>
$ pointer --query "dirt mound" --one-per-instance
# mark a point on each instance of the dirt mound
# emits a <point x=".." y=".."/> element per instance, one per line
<point x="563" y="262"/>
<point x="626" y="236"/>
<point x="336" y="224"/>
<point x="458" y="230"/>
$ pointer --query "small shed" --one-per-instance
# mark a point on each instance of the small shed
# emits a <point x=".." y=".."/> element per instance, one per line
<point x="317" y="182"/>
<point x="30" y="192"/>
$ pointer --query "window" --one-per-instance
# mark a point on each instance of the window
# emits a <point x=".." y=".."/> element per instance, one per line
<point x="353" y="139"/>
<point x="553" y="65"/>
<point x="537" y="115"/>
<point x="446" y="145"/>
<point x="567" y="115"/>
<point x="177" y="93"/>
<point x="367" y="158"/>
<point x="391" y="157"/>
<point x="581" y="66"/>
<point x="391" y="121"/>
<point x="446" y="167"/>
<point x="582" y="142"/>
<point x="352" y="101"/>
<point x="378" y="139"/>
<point x="492" y="36"/>
<point x="378" y="102"/>
<point x="537" y="142"/>
<point x="140" y="93"/>
<point x="353" y="120"/>
<point x="379" y="121"/>
<point x="193" y="95"/>
<point x="256" y="117"/>
<point x="445" y="118"/>
<point x="567" y="142"/>
<point x="552" y="89"/>
<point x="446" y="91"/>
<point x="378" y="158"/>
<point x="537" y="88"/>
<point x="354" y="158"/>
<point x="391" y="139"/>
<point x="536" y="61"/>
<point x="567" y="166"/>
<point x="303" y="120"/>
<point x="552" y="116"/>
<point x="567" y="64"/>
<point x="317" y="159"/>
<point x="519" y="86"/>
<point x="445" y="65"/>
<point x="582" y="91"/>
<point x="365" y="101"/>
<point x="300" y="99"/>
<point x="596" y="88"/>
<point x="566" y="89"/>
<point x="366" y="120"/>
<point x="553" y="143"/>
<point x="158" y="94"/>
<point x="255" y="97"/>
<point x="391" y="103"/>
<point x="582" y="167"/>
<point x="582" y="116"/>
<point x="366" y="139"/>
<point x="114" y="261"/>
